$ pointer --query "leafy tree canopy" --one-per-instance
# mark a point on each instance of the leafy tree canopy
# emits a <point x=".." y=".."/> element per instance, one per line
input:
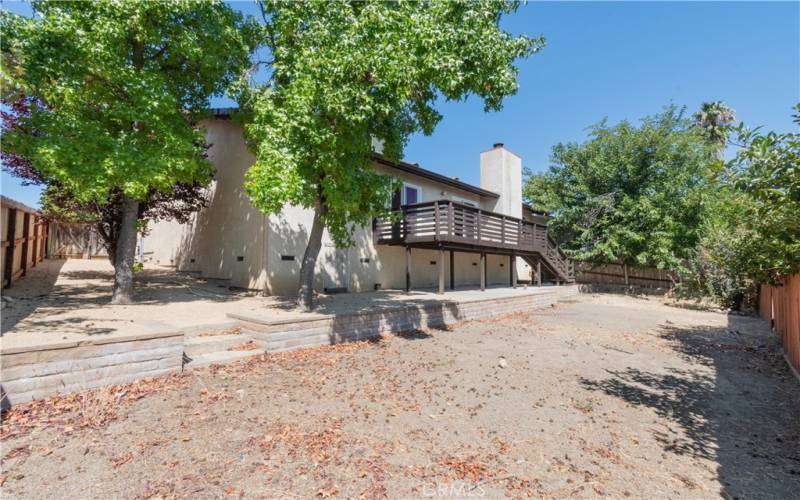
<point x="59" y="204"/>
<point x="116" y="89"/>
<point x="767" y="170"/>
<point x="751" y="226"/>
<point x="345" y="72"/>
<point x="629" y="194"/>
<point x="342" y="73"/>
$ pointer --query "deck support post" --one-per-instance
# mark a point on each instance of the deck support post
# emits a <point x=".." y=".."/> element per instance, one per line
<point x="512" y="260"/>
<point x="440" y="262"/>
<point x="452" y="270"/>
<point x="408" y="269"/>
<point x="538" y="272"/>
<point x="483" y="271"/>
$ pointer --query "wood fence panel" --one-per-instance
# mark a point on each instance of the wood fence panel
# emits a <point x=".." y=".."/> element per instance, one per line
<point x="765" y="303"/>
<point x="22" y="240"/>
<point x="74" y="241"/>
<point x="614" y="274"/>
<point x="792" y="322"/>
<point x="781" y="305"/>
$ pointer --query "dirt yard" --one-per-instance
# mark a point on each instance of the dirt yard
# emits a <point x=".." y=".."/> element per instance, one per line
<point x="601" y="396"/>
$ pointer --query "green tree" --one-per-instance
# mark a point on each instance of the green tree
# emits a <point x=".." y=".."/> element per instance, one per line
<point x="715" y="119"/>
<point x="714" y="268"/>
<point x="117" y="89"/>
<point x="628" y="195"/>
<point x="343" y="73"/>
<point x="767" y="170"/>
<point x="751" y="228"/>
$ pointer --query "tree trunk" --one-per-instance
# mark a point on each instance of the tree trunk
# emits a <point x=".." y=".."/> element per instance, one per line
<point x="109" y="242"/>
<point x="125" y="253"/>
<point x="306" y="295"/>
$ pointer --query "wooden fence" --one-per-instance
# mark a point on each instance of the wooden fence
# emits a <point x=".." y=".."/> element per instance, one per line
<point x="781" y="305"/>
<point x="614" y="274"/>
<point x="24" y="237"/>
<point x="74" y="241"/>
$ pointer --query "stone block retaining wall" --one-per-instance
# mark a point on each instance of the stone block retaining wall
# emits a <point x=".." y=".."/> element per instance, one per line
<point x="292" y="334"/>
<point x="34" y="372"/>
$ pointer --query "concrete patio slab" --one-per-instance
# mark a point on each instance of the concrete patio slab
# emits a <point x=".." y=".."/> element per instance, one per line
<point x="68" y="301"/>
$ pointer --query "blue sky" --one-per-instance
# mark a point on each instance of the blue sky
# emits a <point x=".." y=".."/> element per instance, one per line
<point x="620" y="60"/>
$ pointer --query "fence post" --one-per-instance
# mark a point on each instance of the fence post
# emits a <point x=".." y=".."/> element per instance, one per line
<point x="35" y="249"/>
<point x="26" y="230"/>
<point x="11" y="233"/>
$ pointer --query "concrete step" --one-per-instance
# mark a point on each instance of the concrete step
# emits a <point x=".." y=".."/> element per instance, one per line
<point x="220" y="357"/>
<point x="203" y="329"/>
<point x="197" y="346"/>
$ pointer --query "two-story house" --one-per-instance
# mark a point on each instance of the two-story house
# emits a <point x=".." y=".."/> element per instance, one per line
<point x="452" y="233"/>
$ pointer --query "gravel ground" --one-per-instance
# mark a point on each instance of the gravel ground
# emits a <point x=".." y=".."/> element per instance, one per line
<point x="600" y="396"/>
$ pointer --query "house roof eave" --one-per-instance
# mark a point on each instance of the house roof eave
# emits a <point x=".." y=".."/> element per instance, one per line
<point x="409" y="168"/>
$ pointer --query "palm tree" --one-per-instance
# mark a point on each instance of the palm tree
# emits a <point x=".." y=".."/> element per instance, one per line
<point x="715" y="118"/>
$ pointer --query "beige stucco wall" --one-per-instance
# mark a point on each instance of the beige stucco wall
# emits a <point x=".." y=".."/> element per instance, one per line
<point x="230" y="228"/>
<point x="161" y="244"/>
<point x="226" y="239"/>
<point x="365" y="263"/>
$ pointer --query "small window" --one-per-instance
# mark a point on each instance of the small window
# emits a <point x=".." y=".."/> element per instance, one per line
<point x="411" y="194"/>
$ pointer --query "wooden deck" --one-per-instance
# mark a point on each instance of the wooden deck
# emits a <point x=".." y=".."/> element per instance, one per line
<point x="450" y="225"/>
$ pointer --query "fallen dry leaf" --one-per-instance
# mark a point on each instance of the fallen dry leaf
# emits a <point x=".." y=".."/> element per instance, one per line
<point x="329" y="490"/>
<point x="122" y="459"/>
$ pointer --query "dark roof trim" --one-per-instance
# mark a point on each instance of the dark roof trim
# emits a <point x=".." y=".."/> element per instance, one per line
<point x="225" y="113"/>
<point x="534" y="211"/>
<point x="428" y="174"/>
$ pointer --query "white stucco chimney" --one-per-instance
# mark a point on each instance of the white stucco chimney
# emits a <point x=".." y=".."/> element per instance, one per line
<point x="501" y="172"/>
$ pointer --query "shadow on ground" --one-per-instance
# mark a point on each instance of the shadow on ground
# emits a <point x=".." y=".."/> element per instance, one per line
<point x="743" y="412"/>
<point x="26" y="294"/>
<point x="50" y="290"/>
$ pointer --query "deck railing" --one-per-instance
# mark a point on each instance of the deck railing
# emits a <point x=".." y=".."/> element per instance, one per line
<point x="453" y="222"/>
